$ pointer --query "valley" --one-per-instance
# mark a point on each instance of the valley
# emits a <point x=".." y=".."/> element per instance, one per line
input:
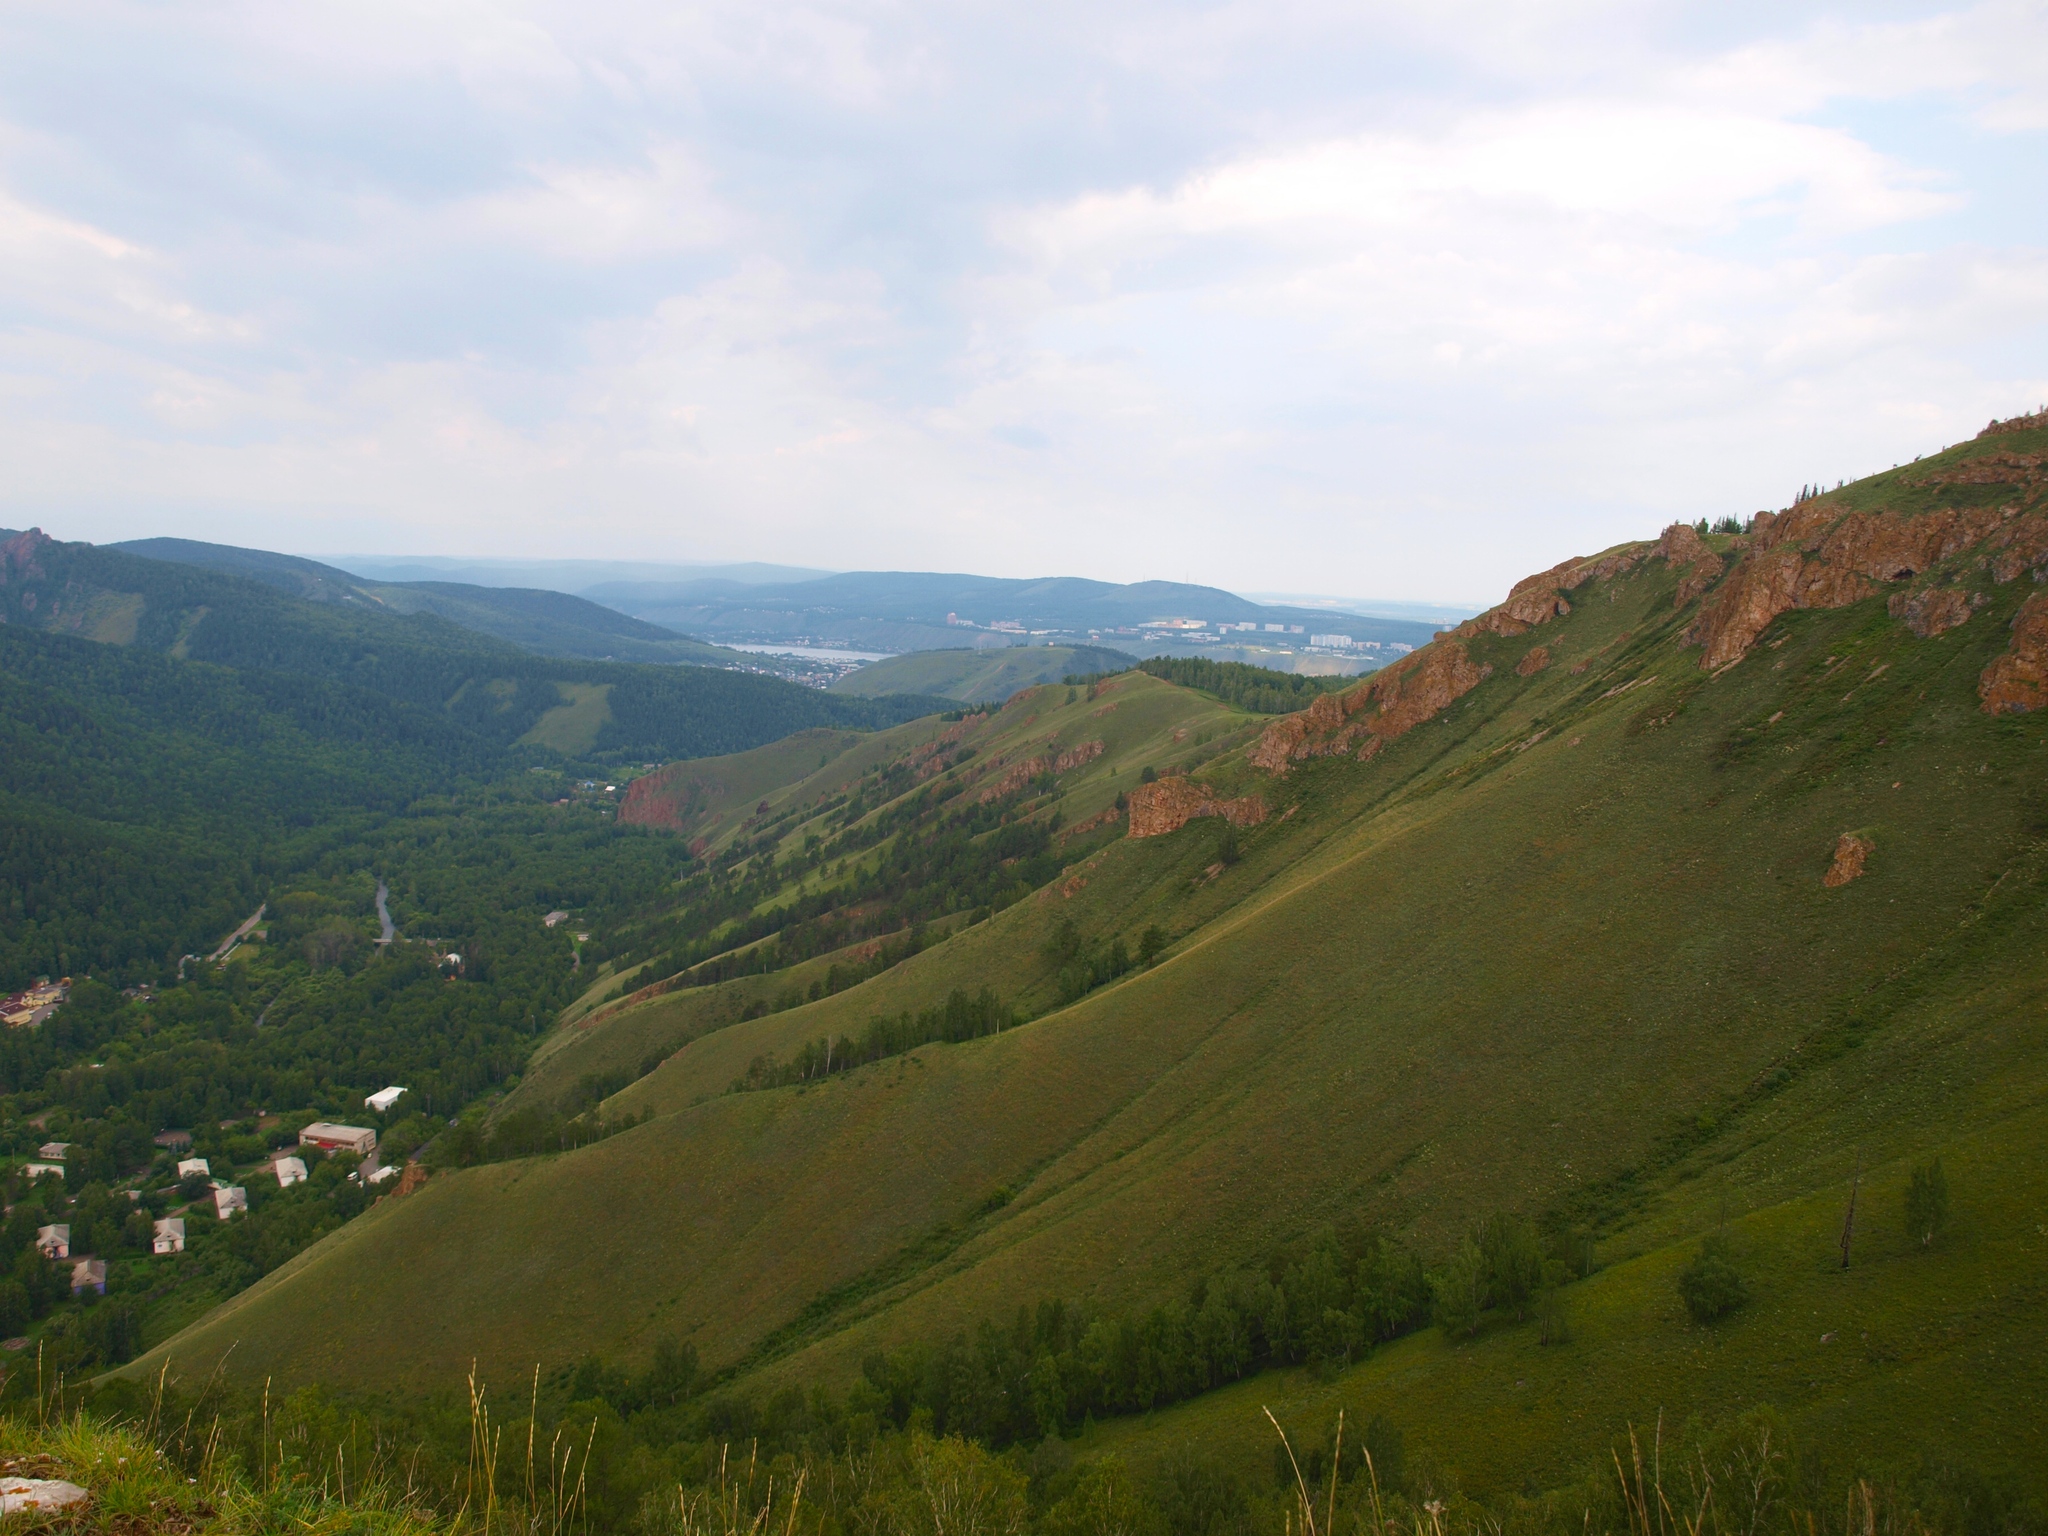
<point x="1083" y="1072"/>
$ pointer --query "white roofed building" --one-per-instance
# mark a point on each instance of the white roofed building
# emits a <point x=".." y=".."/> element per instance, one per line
<point x="191" y="1165"/>
<point x="54" y="1241"/>
<point x="290" y="1171"/>
<point x="382" y="1100"/>
<point x="169" y="1236"/>
<point x="230" y="1200"/>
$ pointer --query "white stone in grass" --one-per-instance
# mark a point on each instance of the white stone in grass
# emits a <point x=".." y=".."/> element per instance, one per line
<point x="24" y="1493"/>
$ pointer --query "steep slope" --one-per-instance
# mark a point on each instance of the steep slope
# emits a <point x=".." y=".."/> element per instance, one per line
<point x="979" y="677"/>
<point x="1647" y="902"/>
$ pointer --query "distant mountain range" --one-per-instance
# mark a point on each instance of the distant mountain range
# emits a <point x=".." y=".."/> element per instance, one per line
<point x="917" y="611"/>
<point x="626" y="611"/>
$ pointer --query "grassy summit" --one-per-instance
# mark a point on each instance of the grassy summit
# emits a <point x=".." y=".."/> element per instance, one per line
<point x="1554" y="918"/>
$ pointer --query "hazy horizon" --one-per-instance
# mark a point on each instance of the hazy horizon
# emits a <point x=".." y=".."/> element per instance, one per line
<point x="1415" y="300"/>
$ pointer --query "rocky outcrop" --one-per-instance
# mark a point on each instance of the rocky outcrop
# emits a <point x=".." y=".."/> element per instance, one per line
<point x="1820" y="555"/>
<point x="1931" y="611"/>
<point x="1023" y="773"/>
<point x="1540" y="598"/>
<point x="18" y="555"/>
<point x="414" y="1176"/>
<point x="2017" y="682"/>
<point x="1392" y="702"/>
<point x="1850" y="852"/>
<point x="2033" y="423"/>
<point x="1169" y="804"/>
<point x="1681" y="545"/>
<point x="1537" y="659"/>
<point x="2019" y="547"/>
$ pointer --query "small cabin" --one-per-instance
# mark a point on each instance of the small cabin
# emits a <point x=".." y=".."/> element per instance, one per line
<point x="289" y="1171"/>
<point x="191" y="1165"/>
<point x="55" y="1242"/>
<point x="89" y="1275"/>
<point x="169" y="1236"/>
<point x="230" y="1200"/>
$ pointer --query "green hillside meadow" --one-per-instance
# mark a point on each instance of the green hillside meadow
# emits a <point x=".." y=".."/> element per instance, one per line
<point x="1562" y="949"/>
<point x="975" y="677"/>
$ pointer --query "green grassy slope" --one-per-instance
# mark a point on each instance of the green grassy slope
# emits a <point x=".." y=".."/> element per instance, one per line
<point x="983" y="676"/>
<point x="1562" y="948"/>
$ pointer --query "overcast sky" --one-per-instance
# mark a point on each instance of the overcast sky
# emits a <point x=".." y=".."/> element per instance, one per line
<point x="1401" y="300"/>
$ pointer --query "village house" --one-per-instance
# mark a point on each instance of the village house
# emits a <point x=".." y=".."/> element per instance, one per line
<point x="290" y="1171"/>
<point x="34" y="1171"/>
<point x="173" y="1141"/>
<point x="54" y="1151"/>
<point x="325" y="1136"/>
<point x="54" y="1241"/>
<point x="89" y="1275"/>
<point x="191" y="1165"/>
<point x="230" y="1200"/>
<point x="169" y="1236"/>
<point x="30" y="1007"/>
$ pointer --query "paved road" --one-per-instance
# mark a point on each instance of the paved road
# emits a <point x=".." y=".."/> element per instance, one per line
<point x="384" y="914"/>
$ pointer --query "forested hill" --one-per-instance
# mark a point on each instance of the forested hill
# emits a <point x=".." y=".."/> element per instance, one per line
<point x="176" y="739"/>
<point x="613" y="712"/>
<point x="549" y="623"/>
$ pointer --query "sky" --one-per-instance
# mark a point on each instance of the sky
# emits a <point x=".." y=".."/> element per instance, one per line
<point x="1401" y="300"/>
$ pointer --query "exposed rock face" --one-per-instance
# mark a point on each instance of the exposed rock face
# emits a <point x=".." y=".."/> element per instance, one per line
<point x="2017" y="682"/>
<point x="1932" y="611"/>
<point x="1167" y="805"/>
<point x="1850" y="852"/>
<point x="414" y="1176"/>
<point x="1412" y="690"/>
<point x="1681" y="544"/>
<point x="2020" y="546"/>
<point x="18" y="555"/>
<point x="1817" y="555"/>
<point x="1537" y="659"/>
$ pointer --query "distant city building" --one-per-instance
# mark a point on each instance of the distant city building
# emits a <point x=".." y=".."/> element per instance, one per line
<point x="191" y="1165"/>
<point x="230" y="1200"/>
<point x="169" y="1236"/>
<point x="55" y="1242"/>
<point x="1331" y="642"/>
<point x="1276" y="629"/>
<point x="89" y="1275"/>
<point x="383" y="1098"/>
<point x="325" y="1136"/>
<point x="290" y="1171"/>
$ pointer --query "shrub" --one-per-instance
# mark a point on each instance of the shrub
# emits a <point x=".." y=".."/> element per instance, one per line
<point x="1710" y="1285"/>
<point x="1927" y="1202"/>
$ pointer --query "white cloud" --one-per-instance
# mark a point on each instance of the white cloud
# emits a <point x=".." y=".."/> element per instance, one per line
<point x="1418" y="293"/>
